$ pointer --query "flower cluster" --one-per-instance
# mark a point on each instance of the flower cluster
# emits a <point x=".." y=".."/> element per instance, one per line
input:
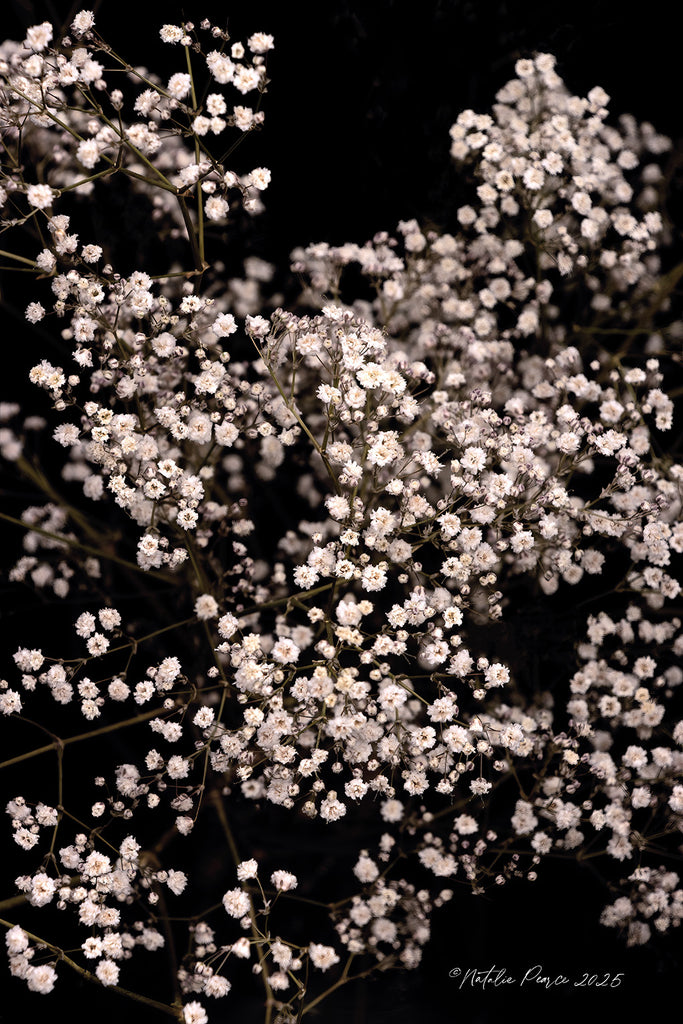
<point x="330" y="517"/>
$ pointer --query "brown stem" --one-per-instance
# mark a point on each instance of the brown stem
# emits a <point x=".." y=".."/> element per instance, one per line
<point x="59" y="743"/>
<point x="170" y="1011"/>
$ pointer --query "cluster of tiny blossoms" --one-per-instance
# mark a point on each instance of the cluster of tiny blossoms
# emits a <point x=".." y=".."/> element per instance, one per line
<point x="486" y="430"/>
<point x="58" y="98"/>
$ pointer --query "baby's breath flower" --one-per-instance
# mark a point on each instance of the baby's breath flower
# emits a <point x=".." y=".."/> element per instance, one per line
<point x="206" y="607"/>
<point x="284" y="881"/>
<point x="35" y="312"/>
<point x="82" y="23"/>
<point x="236" y="903"/>
<point x="38" y="37"/>
<point x="194" y="1013"/>
<point x="450" y="444"/>
<point x="322" y="957"/>
<point x="40" y="196"/>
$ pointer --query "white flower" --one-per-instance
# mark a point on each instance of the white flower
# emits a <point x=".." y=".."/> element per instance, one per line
<point x="220" y="66"/>
<point x="41" y="979"/>
<point x="10" y="702"/>
<point x="96" y="864"/>
<point x="34" y="312"/>
<point x="179" y="85"/>
<point x="497" y="674"/>
<point x="206" y="607"/>
<point x="260" y="178"/>
<point x="91" y="253"/>
<point x="285" y="651"/>
<point x="40" y="196"/>
<point x="176" y="881"/>
<point x="216" y="208"/>
<point x="38" y="36"/>
<point x="228" y="625"/>
<point x="284" y="881"/>
<point x="322" y="957"/>
<point x="247" y="869"/>
<point x="82" y="23"/>
<point x="236" y="903"/>
<point x="171" y="34"/>
<point x="374" y="577"/>
<point x="533" y="178"/>
<point x="88" y="152"/>
<point x="332" y="809"/>
<point x="260" y="42"/>
<point x="42" y="890"/>
<point x="365" y="869"/>
<point x="16" y="940"/>
<point x="194" y="1013"/>
<point x="107" y="972"/>
<point x="187" y="518"/>
<point x="257" y="325"/>
<point x="582" y="203"/>
<point x="224" y="325"/>
<point x="473" y="460"/>
<point x="204" y="718"/>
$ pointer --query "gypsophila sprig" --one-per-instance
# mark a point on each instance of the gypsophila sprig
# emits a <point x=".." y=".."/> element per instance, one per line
<point x="483" y="438"/>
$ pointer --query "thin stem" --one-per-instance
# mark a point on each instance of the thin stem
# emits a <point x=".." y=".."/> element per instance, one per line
<point x="71" y="542"/>
<point x="59" y="743"/>
<point x="36" y="476"/>
<point x="192" y="236"/>
<point x="171" y="1011"/>
<point x="296" y="598"/>
<point x="342" y="980"/>
<point x="197" y="157"/>
<point x="21" y="259"/>
<point x="294" y="411"/>
<point x="256" y="934"/>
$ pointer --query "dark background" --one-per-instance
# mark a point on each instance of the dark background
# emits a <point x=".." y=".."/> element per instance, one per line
<point x="356" y="135"/>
